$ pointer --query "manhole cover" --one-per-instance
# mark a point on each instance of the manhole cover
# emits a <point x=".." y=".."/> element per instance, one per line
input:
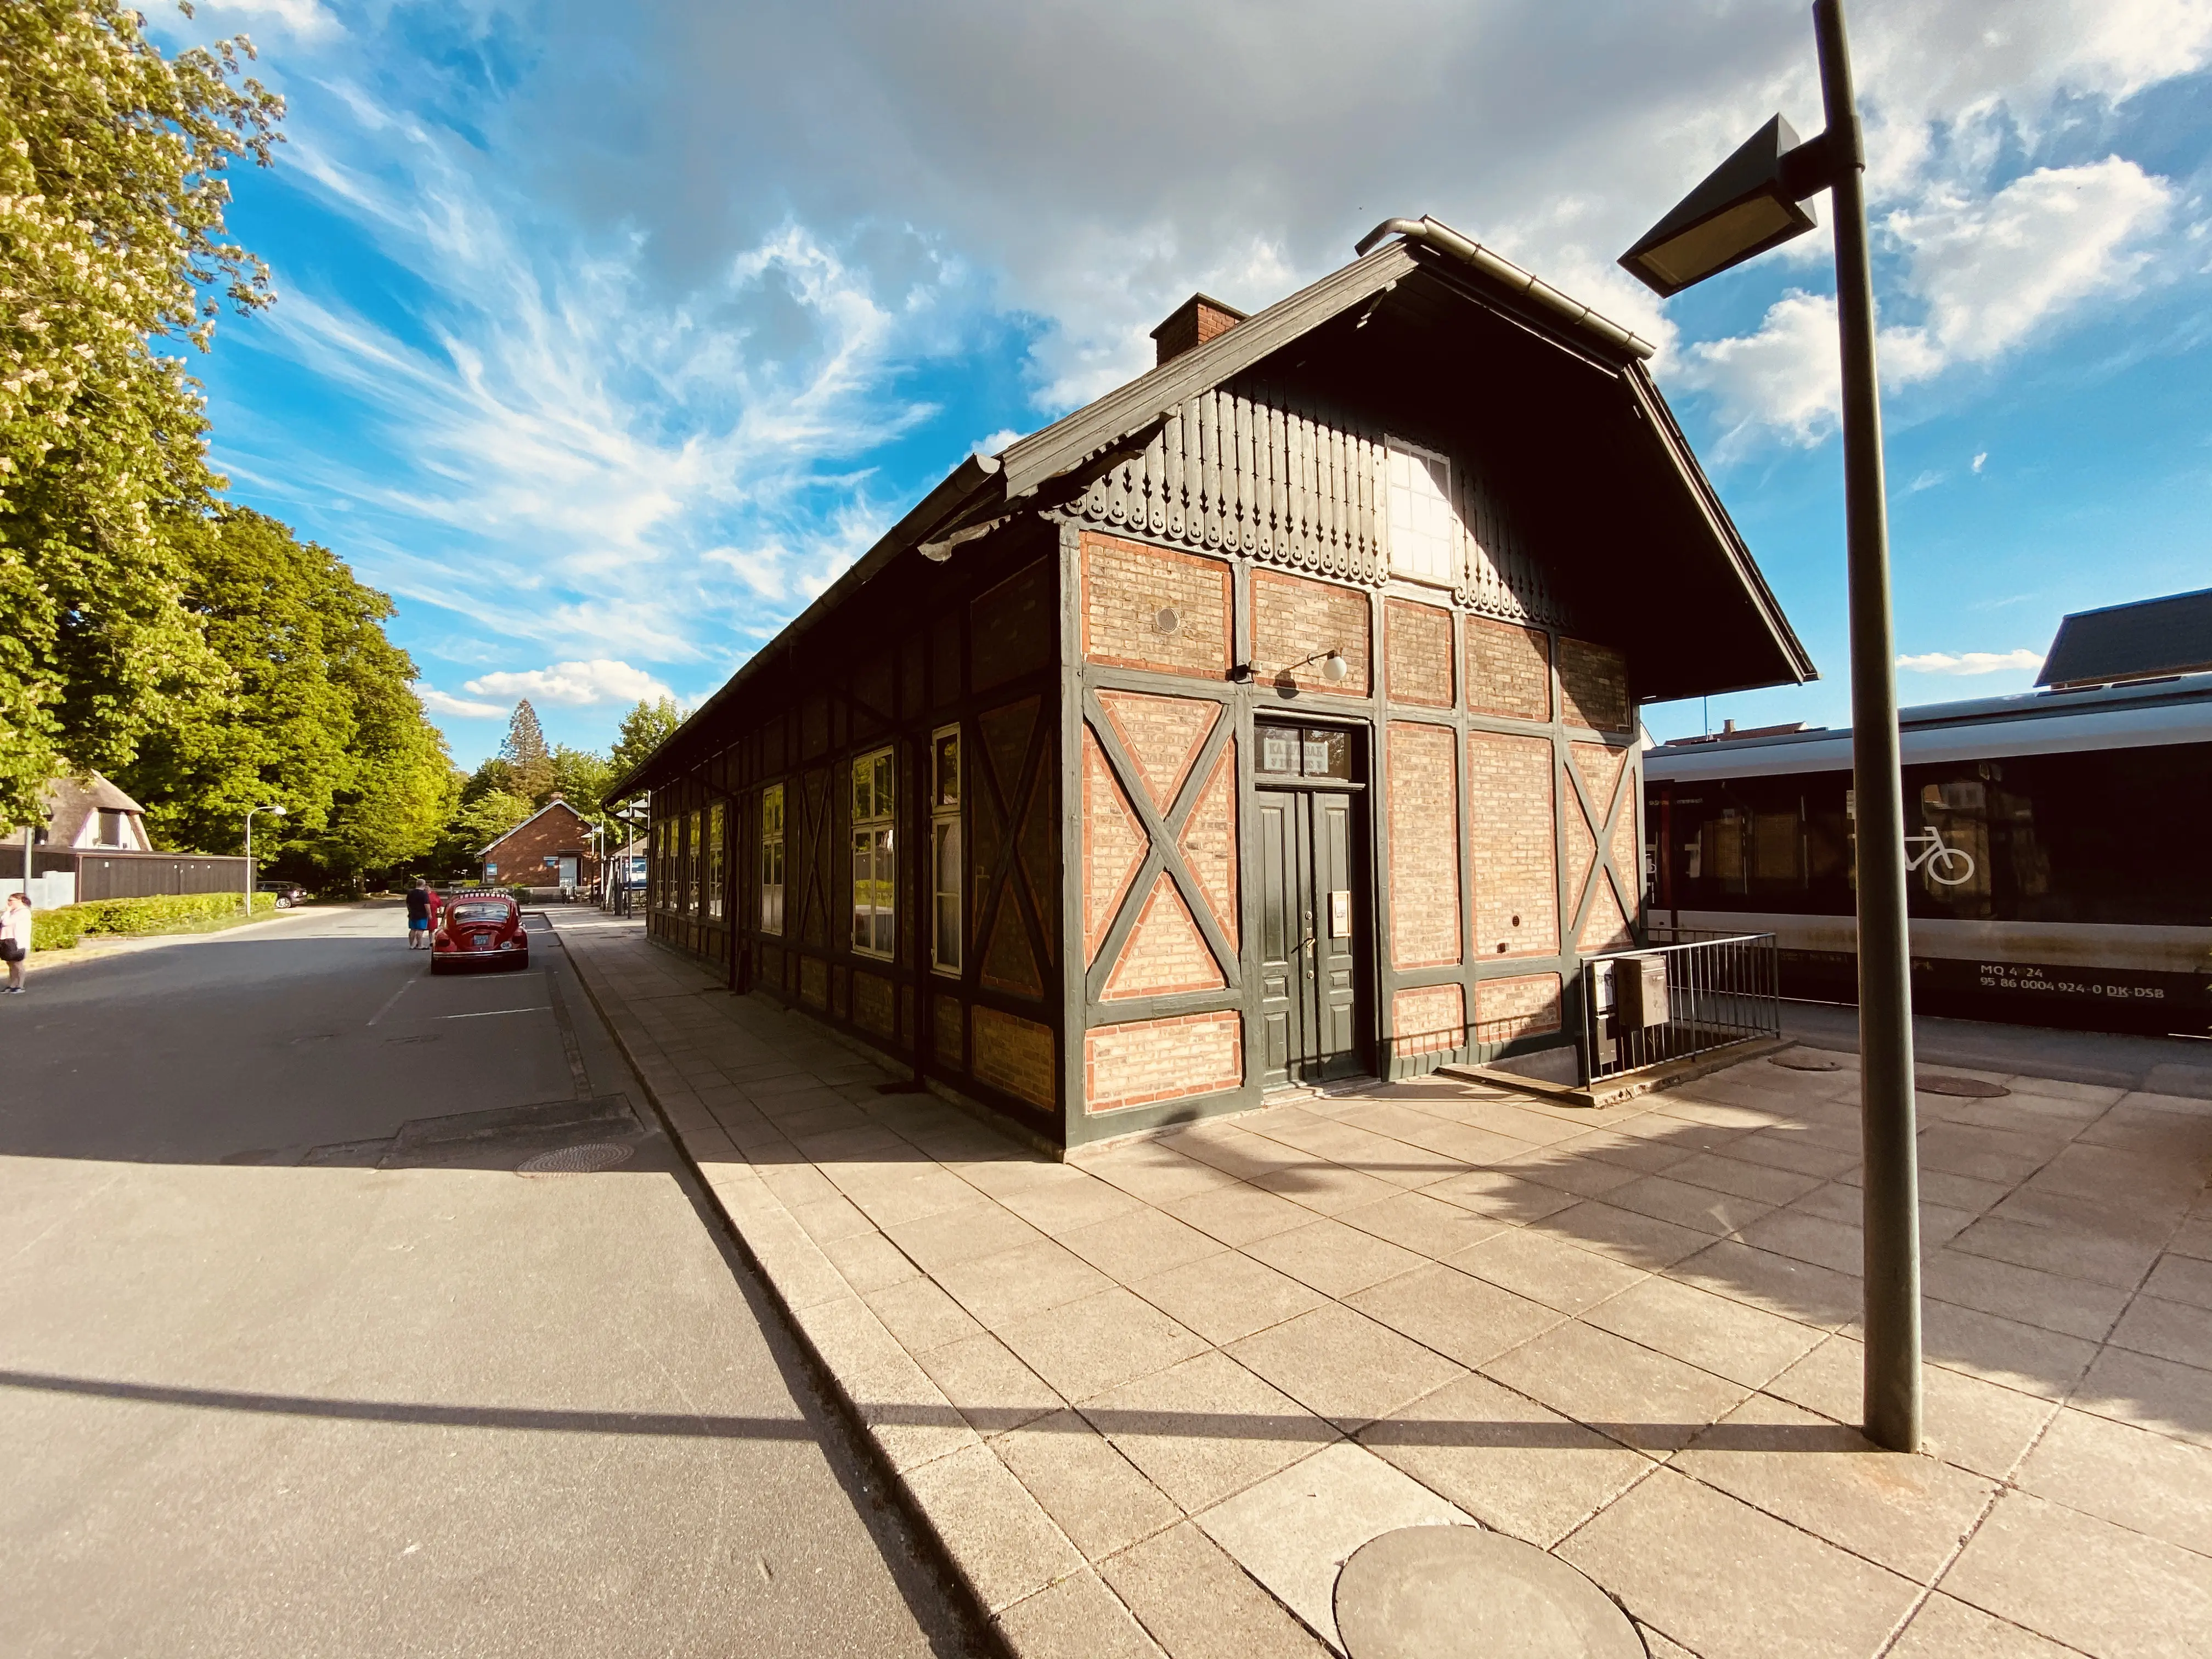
<point x="579" y="1160"/>
<point x="1973" y="1088"/>
<point x="1462" y="1592"/>
<point x="1807" y="1060"/>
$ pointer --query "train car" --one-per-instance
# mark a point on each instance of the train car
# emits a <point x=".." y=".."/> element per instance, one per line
<point x="2059" y="846"/>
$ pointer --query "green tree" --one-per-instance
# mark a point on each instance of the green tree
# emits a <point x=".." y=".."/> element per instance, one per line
<point x="581" y="776"/>
<point x="643" y="730"/>
<point x="475" y="825"/>
<point x="529" y="761"/>
<point x="315" y="712"/>
<point x="113" y="193"/>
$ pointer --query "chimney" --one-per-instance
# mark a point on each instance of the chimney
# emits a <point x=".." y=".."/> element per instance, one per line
<point x="1191" y="324"/>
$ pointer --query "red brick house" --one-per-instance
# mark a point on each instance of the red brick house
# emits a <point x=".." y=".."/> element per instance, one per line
<point x="550" y="850"/>
<point x="1272" y="719"/>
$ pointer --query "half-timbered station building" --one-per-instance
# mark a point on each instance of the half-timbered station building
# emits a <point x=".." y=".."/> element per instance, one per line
<point x="1271" y="720"/>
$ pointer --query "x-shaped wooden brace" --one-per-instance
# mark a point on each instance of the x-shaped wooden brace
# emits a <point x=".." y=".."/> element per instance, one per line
<point x="1602" y="864"/>
<point x="1163" y="837"/>
<point x="1009" y="864"/>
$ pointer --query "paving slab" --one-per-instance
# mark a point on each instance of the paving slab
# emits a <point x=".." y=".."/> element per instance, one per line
<point x="1294" y="1532"/>
<point x="1194" y="1374"/>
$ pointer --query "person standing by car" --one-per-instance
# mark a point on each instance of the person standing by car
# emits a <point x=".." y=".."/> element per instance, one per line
<point x="16" y="941"/>
<point x="421" y="912"/>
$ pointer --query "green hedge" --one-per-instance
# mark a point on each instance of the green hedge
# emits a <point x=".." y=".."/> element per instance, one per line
<point x="57" y="930"/>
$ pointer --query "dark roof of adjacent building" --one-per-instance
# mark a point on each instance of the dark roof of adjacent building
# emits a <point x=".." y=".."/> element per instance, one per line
<point x="1677" y="582"/>
<point x="2172" y="635"/>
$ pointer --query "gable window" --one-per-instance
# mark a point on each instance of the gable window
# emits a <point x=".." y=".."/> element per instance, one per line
<point x="945" y="922"/>
<point x="875" y="917"/>
<point x="1421" y="524"/>
<point x="715" y="861"/>
<point x="771" y="859"/>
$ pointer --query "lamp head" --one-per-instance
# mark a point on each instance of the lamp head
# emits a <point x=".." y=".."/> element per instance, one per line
<point x="1746" y="205"/>
<point x="1334" y="668"/>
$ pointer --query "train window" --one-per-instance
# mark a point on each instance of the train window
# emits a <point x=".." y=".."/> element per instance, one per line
<point x="2104" y="836"/>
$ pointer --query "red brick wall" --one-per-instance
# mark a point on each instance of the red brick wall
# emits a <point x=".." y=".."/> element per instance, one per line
<point x="1113" y="845"/>
<point x="1209" y="841"/>
<point x="1516" y="880"/>
<point x="521" y="853"/>
<point x="1014" y="1055"/>
<point x="1294" y="619"/>
<point x="1424" y="845"/>
<point x="1594" y="687"/>
<point x="1166" y="953"/>
<point x="1126" y="586"/>
<point x="1156" y="1059"/>
<point x="871" y="1004"/>
<point x="1417" y="652"/>
<point x="1509" y="670"/>
<point x="1527" y="1005"/>
<point x="1428" y="1019"/>
<point x="1163" y="736"/>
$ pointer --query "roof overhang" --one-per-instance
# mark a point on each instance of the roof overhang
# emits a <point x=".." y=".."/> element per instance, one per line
<point x="1686" y="567"/>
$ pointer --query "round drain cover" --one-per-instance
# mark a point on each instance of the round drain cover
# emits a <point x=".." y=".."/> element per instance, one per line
<point x="1462" y="1592"/>
<point x="1971" y="1088"/>
<point x="579" y="1160"/>
<point x="1805" y="1060"/>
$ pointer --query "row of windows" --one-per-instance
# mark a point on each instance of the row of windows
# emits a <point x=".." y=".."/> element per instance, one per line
<point x="874" y="849"/>
<point x="2107" y="836"/>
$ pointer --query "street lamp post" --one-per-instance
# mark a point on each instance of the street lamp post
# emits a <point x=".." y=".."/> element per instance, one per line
<point x="1750" y="203"/>
<point x="278" y="812"/>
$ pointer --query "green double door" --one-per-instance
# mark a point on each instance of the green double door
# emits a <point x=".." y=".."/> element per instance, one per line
<point x="1312" y="926"/>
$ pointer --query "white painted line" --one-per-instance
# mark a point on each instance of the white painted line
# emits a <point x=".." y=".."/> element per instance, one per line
<point x="489" y="1012"/>
<point x="393" y="998"/>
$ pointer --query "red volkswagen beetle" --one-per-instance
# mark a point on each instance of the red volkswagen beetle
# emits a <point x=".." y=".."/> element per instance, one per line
<point x="478" y="932"/>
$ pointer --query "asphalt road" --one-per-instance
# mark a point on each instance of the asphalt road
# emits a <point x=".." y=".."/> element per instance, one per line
<point x="274" y="1383"/>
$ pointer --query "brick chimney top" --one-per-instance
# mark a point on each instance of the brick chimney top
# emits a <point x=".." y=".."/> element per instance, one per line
<point x="1191" y="324"/>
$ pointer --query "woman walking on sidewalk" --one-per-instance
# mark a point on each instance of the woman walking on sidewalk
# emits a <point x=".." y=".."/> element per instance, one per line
<point x="16" y="941"/>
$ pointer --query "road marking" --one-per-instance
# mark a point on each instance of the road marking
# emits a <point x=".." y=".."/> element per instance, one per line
<point x="393" y="998"/>
<point x="489" y="1012"/>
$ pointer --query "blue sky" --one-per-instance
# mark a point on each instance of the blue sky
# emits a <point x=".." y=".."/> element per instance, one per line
<point x="608" y="335"/>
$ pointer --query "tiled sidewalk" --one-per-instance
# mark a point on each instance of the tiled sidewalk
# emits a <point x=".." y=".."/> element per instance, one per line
<point x="1153" y="1399"/>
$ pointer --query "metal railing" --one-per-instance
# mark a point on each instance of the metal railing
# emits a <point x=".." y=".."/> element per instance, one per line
<point x="1695" y="992"/>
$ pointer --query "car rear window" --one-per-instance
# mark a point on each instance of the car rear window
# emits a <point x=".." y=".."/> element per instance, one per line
<point x="479" y="913"/>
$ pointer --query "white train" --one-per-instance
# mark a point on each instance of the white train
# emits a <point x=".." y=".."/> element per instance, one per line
<point x="2060" y="844"/>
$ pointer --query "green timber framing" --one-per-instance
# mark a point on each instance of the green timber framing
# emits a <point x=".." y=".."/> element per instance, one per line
<point x="1116" y="610"/>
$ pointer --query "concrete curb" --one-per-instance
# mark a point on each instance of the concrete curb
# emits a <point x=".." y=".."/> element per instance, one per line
<point x="837" y="1331"/>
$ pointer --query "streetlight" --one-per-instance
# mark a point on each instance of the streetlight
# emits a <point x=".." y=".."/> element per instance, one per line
<point x="279" y="812"/>
<point x="1752" y="202"/>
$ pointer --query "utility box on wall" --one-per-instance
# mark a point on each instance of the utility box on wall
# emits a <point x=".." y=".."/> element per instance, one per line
<point x="1639" y="992"/>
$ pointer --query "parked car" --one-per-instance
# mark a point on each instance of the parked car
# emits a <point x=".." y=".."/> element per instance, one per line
<point x="289" y="893"/>
<point x="478" y="932"/>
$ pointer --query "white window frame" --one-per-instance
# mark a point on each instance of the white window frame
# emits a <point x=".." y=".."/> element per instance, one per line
<point x="771" y="859"/>
<point x="874" y="842"/>
<point x="1454" y="552"/>
<point x="947" y="854"/>
<point x="717" y="858"/>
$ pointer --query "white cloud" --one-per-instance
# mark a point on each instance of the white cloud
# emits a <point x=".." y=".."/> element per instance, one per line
<point x="1990" y="274"/>
<point x="1970" y="662"/>
<point x="635" y="383"/>
<point x="307" y="19"/>
<point x="574" y="685"/>
<point x="441" y="702"/>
